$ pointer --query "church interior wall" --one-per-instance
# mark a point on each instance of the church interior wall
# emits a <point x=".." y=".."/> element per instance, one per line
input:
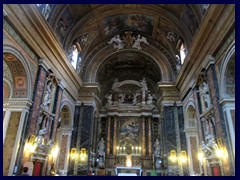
<point x="132" y="118"/>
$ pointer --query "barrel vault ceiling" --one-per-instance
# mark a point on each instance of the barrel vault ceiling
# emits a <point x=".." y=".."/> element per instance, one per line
<point x="93" y="26"/>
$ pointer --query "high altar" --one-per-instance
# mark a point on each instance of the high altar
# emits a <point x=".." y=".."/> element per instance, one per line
<point x="127" y="125"/>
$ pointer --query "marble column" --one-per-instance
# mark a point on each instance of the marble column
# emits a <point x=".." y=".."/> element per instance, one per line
<point x="178" y="141"/>
<point x="115" y="135"/>
<point x="78" y="142"/>
<point x="143" y="137"/>
<point x="150" y="135"/>
<point x="108" y="134"/>
<point x="56" y="110"/>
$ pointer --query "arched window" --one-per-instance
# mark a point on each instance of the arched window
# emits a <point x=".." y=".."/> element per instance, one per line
<point x="74" y="58"/>
<point x="75" y="54"/>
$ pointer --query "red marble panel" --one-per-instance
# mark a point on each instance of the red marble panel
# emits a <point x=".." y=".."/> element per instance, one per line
<point x="63" y="151"/>
<point x="194" y="150"/>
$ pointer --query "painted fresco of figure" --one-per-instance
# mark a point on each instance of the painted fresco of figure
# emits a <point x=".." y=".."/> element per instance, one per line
<point x="129" y="133"/>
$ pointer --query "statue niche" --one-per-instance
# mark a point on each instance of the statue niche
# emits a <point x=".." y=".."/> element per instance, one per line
<point x="49" y="92"/>
<point x="205" y="95"/>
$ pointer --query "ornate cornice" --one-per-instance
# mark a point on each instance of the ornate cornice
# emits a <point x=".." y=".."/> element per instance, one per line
<point x="17" y="103"/>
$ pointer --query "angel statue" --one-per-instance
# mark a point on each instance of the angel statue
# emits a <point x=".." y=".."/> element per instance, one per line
<point x="117" y="42"/>
<point x="137" y="42"/>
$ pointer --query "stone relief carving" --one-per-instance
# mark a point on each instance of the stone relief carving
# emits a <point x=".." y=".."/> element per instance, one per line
<point x="84" y="40"/>
<point x="6" y="72"/>
<point x="171" y="36"/>
<point x="128" y="39"/>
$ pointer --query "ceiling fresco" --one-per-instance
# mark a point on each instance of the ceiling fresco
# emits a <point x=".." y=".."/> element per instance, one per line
<point x="18" y="74"/>
<point x="131" y="22"/>
<point x="64" y="24"/>
<point x="91" y="26"/>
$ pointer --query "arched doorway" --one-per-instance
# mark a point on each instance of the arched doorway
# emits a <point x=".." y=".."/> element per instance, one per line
<point x="17" y="94"/>
<point x="191" y="130"/>
<point x="227" y="91"/>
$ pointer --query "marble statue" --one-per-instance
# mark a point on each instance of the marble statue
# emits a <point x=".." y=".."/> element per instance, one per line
<point x="210" y="146"/>
<point x="206" y="99"/>
<point x="101" y="147"/>
<point x="47" y="96"/>
<point x="39" y="122"/>
<point x="121" y="98"/>
<point x="208" y="151"/>
<point x="156" y="148"/>
<point x="117" y="42"/>
<point x="135" y="95"/>
<point x="205" y="94"/>
<point x="46" y="10"/>
<point x="84" y="40"/>
<point x="49" y="145"/>
<point x="115" y="83"/>
<point x="39" y="138"/>
<point x="149" y="99"/>
<point x="143" y="83"/>
<point x="101" y="153"/>
<point x="109" y="99"/>
<point x="137" y="42"/>
<point x="178" y="63"/>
